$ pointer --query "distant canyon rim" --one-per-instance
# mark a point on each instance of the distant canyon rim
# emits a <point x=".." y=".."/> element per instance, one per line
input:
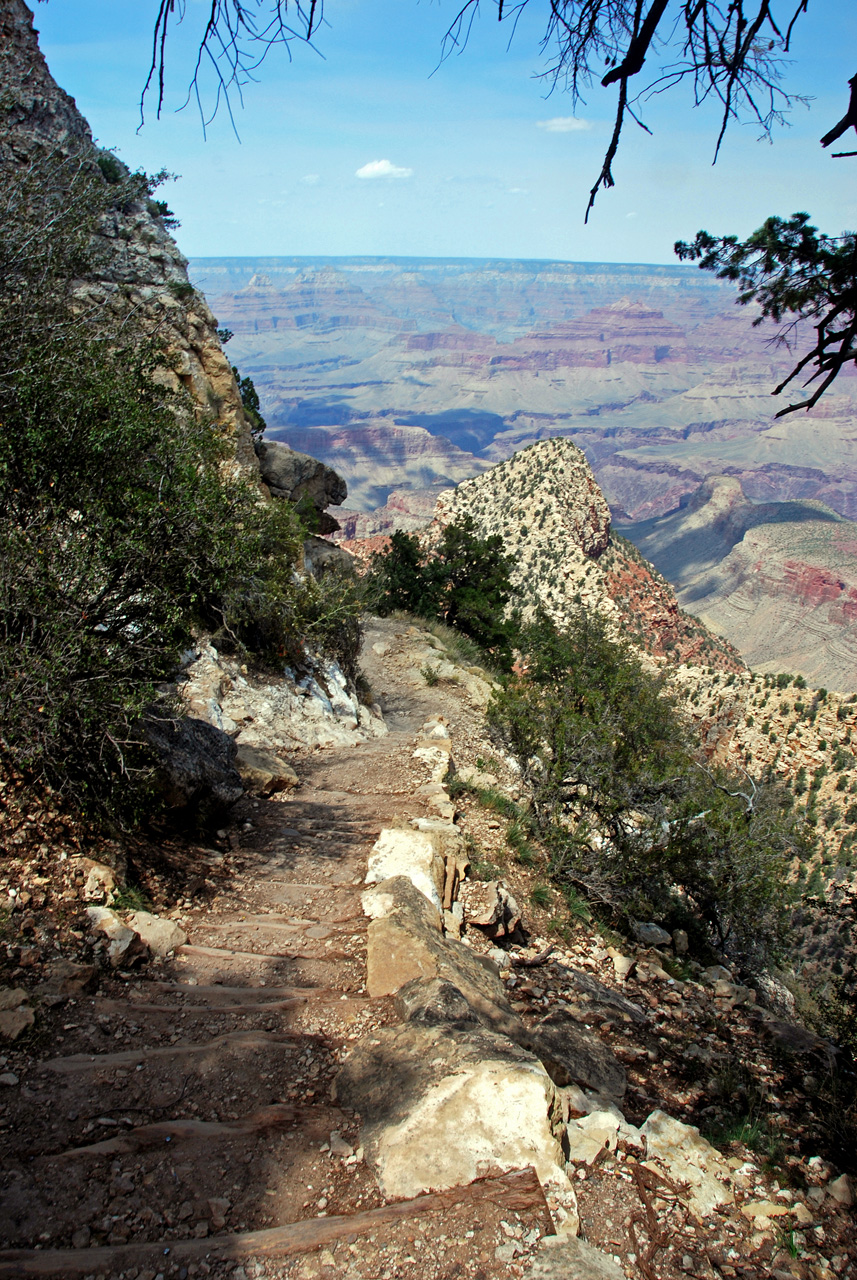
<point x="409" y="375"/>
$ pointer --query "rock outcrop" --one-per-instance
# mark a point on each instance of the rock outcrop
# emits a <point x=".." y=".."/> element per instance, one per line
<point x="779" y="579"/>
<point x="545" y="504"/>
<point x="142" y="271"/>
<point x="273" y="714"/>
<point x="297" y="477"/>
<point x="197" y="762"/>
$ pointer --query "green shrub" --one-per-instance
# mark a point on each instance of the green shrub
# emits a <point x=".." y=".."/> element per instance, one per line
<point x="120" y="531"/>
<point x="625" y="805"/>
<point x="252" y="407"/>
<point x="463" y="581"/>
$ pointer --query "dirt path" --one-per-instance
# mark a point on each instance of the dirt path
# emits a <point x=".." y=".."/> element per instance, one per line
<point x="194" y="1100"/>
<point x="181" y="1122"/>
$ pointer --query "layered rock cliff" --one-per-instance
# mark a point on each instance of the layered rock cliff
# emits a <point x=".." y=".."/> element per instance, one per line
<point x="376" y="456"/>
<point x="653" y="371"/>
<point x="142" y="271"/>
<point x="778" y="578"/>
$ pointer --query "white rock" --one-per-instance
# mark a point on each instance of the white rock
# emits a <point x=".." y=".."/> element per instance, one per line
<point x="840" y="1190"/>
<point x="443" y="1107"/>
<point x="691" y="1160"/>
<point x="589" y="1135"/>
<point x="651" y="935"/>
<point x="100" y="885"/>
<point x="160" y="936"/>
<point x="408" y="853"/>
<point x="622" y="965"/>
<point x="124" y="944"/>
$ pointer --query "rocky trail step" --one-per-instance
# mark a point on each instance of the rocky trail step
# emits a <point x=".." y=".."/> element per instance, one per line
<point x="193" y="1118"/>
<point x="190" y="1124"/>
<point x="517" y="1193"/>
<point x="278" y="1116"/>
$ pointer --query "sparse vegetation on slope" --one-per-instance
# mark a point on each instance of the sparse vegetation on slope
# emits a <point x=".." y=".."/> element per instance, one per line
<point x="121" y="530"/>
<point x="631" y="810"/>
<point x="553" y="520"/>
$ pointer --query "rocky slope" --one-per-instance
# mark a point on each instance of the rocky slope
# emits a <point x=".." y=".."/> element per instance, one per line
<point x="786" y="595"/>
<point x="777" y="578"/>
<point x="554" y="521"/>
<point x="144" y="273"/>
<point x="261" y="1088"/>
<point x="807" y="738"/>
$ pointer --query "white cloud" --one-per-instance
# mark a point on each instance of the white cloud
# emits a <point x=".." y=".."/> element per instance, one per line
<point x="382" y="169"/>
<point x="311" y="179"/>
<point x="564" y="124"/>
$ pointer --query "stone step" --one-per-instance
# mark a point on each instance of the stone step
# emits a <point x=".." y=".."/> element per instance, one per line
<point x="255" y="989"/>
<point x="516" y="1192"/>
<point x="130" y="1057"/>
<point x="316" y="1121"/>
<point x="128" y="1009"/>
<point x="258" y="957"/>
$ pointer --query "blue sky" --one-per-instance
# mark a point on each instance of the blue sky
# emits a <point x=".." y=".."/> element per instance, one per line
<point x="473" y="166"/>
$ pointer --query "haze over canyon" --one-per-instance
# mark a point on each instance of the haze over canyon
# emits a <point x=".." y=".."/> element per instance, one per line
<point x="411" y="375"/>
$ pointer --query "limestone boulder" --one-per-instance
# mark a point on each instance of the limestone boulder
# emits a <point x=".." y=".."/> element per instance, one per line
<point x="405" y="942"/>
<point x="263" y="772"/>
<point x="588" y="1135"/>
<point x="124" y="946"/>
<point x="411" y="854"/>
<point x="716" y="973"/>
<point x="160" y="936"/>
<point x="405" y="945"/>
<point x="690" y="1160"/>
<point x="597" y="993"/>
<point x="441" y="1107"/>
<point x="12" y="998"/>
<point x="14" y="1022"/>
<point x="841" y="1191"/>
<point x="321" y="556"/>
<point x="435" y="1004"/>
<point x="474" y="777"/>
<point x="100" y="884"/>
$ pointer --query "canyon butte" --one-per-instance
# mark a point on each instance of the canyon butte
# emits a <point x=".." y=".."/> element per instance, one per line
<point x="410" y="375"/>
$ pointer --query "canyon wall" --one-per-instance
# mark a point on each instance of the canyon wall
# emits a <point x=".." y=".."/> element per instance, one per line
<point x="408" y="375"/>
<point x="143" y="272"/>
<point x="652" y="370"/>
